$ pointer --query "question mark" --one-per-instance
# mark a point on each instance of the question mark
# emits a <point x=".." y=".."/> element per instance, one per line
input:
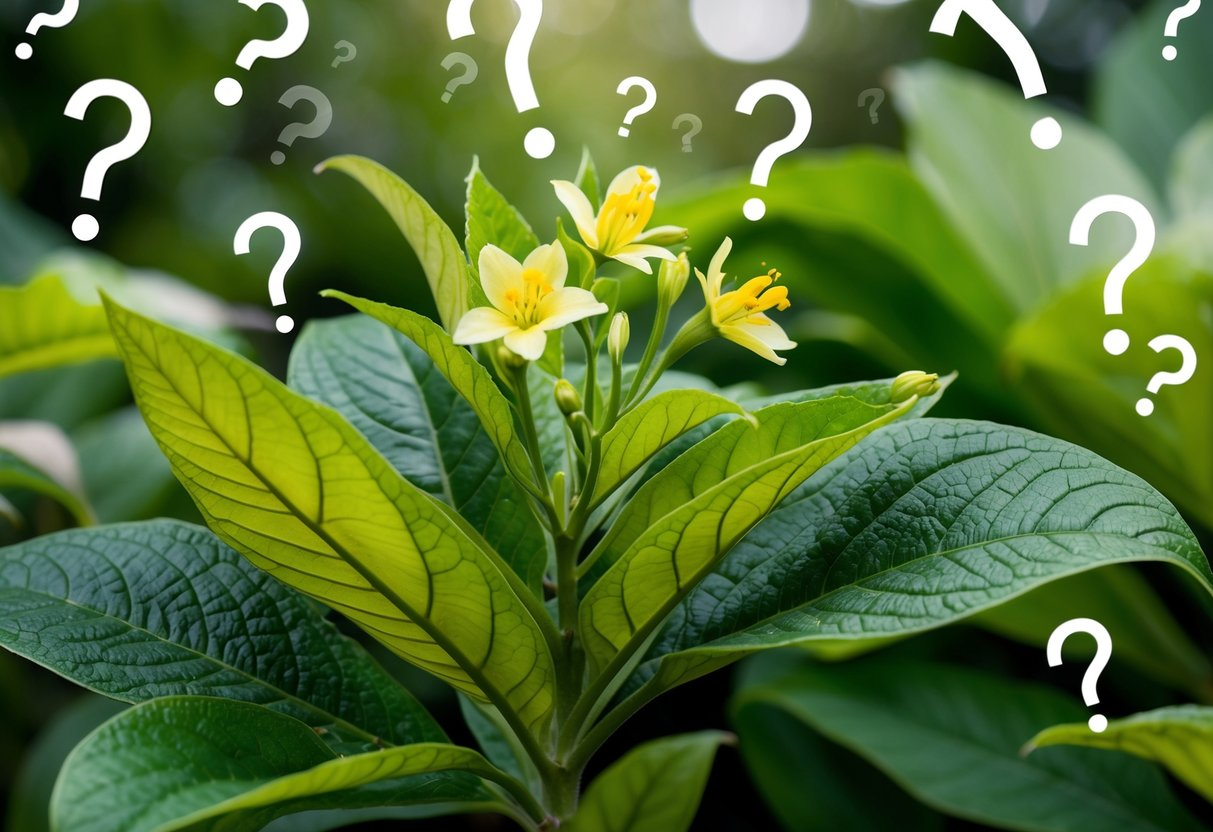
<point x="1172" y="30"/>
<point x="1103" y="652"/>
<point x="876" y="96"/>
<point x="470" y="73"/>
<point x="348" y="48"/>
<point x="228" y="92"/>
<point x="292" y="244"/>
<point x="1046" y="133"/>
<point x="755" y="209"/>
<point x="650" y="100"/>
<point x="85" y="226"/>
<point x="696" y="128"/>
<point x="60" y="19"/>
<point x="539" y="142"/>
<point x="1116" y="341"/>
<point x="1168" y="342"/>
<point x="313" y="129"/>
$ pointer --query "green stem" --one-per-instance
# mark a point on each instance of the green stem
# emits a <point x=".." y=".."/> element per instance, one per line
<point x="526" y="415"/>
<point x="694" y="332"/>
<point x="590" y="395"/>
<point x="650" y="350"/>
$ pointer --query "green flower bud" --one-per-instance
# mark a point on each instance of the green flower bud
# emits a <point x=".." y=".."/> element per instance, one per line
<point x="509" y="359"/>
<point x="914" y="383"/>
<point x="669" y="237"/>
<point x="567" y="398"/>
<point x="617" y="341"/>
<point x="672" y="280"/>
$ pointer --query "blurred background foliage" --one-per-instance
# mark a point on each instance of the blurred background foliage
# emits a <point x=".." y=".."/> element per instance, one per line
<point x="935" y="238"/>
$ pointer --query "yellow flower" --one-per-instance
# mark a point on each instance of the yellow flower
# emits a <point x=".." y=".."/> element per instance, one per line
<point x="529" y="300"/>
<point x="618" y="231"/>
<point x="740" y="315"/>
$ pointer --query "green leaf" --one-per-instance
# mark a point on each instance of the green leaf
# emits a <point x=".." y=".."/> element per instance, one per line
<point x="441" y="258"/>
<point x="201" y="763"/>
<point x="1178" y="737"/>
<point x="925" y="523"/>
<point x="498" y="743"/>
<point x="951" y="737"/>
<point x="293" y="487"/>
<point x="989" y="178"/>
<point x="390" y="390"/>
<point x="587" y="178"/>
<point x="655" y="787"/>
<point x="43" y="325"/>
<point x="1190" y="185"/>
<point x="678" y="526"/>
<point x="37" y="457"/>
<point x="492" y="220"/>
<point x="643" y="432"/>
<point x="91" y="606"/>
<point x="467" y="376"/>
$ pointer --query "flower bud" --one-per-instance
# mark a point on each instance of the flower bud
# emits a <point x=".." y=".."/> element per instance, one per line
<point x="672" y="279"/>
<point x="914" y="383"/>
<point x="509" y="359"/>
<point x="668" y="237"/>
<point x="617" y="341"/>
<point x="567" y="398"/>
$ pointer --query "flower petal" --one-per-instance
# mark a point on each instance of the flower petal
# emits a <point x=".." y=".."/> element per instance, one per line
<point x="635" y="261"/>
<point x="769" y="333"/>
<point x="578" y="205"/>
<point x="630" y="178"/>
<point x="566" y="305"/>
<point x="743" y="336"/>
<point x="716" y="269"/>
<point x="528" y="343"/>
<point x="499" y="273"/>
<point x="635" y="250"/>
<point x="481" y="325"/>
<point x="551" y="261"/>
<point x="662" y="231"/>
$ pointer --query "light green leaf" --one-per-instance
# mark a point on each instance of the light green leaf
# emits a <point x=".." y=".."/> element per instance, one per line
<point x="926" y="523"/>
<point x="655" y="787"/>
<point x="38" y="457"/>
<point x="436" y="247"/>
<point x="467" y="376"/>
<point x="245" y="766"/>
<point x="390" y="390"/>
<point x="951" y="737"/>
<point x="1178" y="737"/>
<point x="43" y="325"/>
<point x="1191" y="180"/>
<point x="678" y="526"/>
<point x="297" y="490"/>
<point x="991" y="181"/>
<point x="89" y="605"/>
<point x="643" y="432"/>
<point x="587" y="177"/>
<point x="492" y="220"/>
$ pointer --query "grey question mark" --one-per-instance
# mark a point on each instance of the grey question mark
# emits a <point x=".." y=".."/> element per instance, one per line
<point x="876" y="96"/>
<point x="350" y="53"/>
<point x="696" y="125"/>
<point x="313" y="129"/>
<point x="470" y="71"/>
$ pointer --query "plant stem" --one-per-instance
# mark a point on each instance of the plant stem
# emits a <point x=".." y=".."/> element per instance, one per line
<point x="650" y="350"/>
<point x="590" y="395"/>
<point x="530" y="437"/>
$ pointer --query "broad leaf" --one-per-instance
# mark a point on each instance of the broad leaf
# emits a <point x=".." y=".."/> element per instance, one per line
<point x="390" y="390"/>
<point x="91" y="605"/>
<point x="655" y="787"/>
<point x="951" y="737"/>
<point x="491" y="219"/>
<point x="246" y="765"/>
<point x="297" y="490"/>
<point x="1179" y="737"/>
<point x="43" y="325"/>
<point x="924" y="524"/>
<point x="441" y="258"/>
<point x="678" y="526"/>
<point x="643" y="432"/>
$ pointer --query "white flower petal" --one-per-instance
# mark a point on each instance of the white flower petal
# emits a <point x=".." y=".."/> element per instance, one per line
<point x="551" y="261"/>
<point x="635" y="250"/>
<point x="630" y="178"/>
<point x="716" y="269"/>
<point x="499" y="273"/>
<point x="770" y="333"/>
<point x="635" y="261"/>
<point x="528" y="343"/>
<point x="743" y="336"/>
<point x="481" y="325"/>
<point x="578" y="205"/>
<point x="564" y="306"/>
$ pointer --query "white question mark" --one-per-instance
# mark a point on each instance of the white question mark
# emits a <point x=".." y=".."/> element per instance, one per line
<point x="755" y="209"/>
<point x="228" y="92"/>
<point x="346" y="47"/>
<point x="313" y="129"/>
<point x="470" y="73"/>
<point x="292" y="244"/>
<point x="876" y="96"/>
<point x="85" y="226"/>
<point x="1168" y="342"/>
<point x="539" y="142"/>
<point x="57" y="21"/>
<point x="1046" y="133"/>
<point x="1103" y="652"/>
<point x="696" y="125"/>
<point x="1172" y="30"/>
<point x="1116" y="341"/>
<point x="650" y="100"/>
